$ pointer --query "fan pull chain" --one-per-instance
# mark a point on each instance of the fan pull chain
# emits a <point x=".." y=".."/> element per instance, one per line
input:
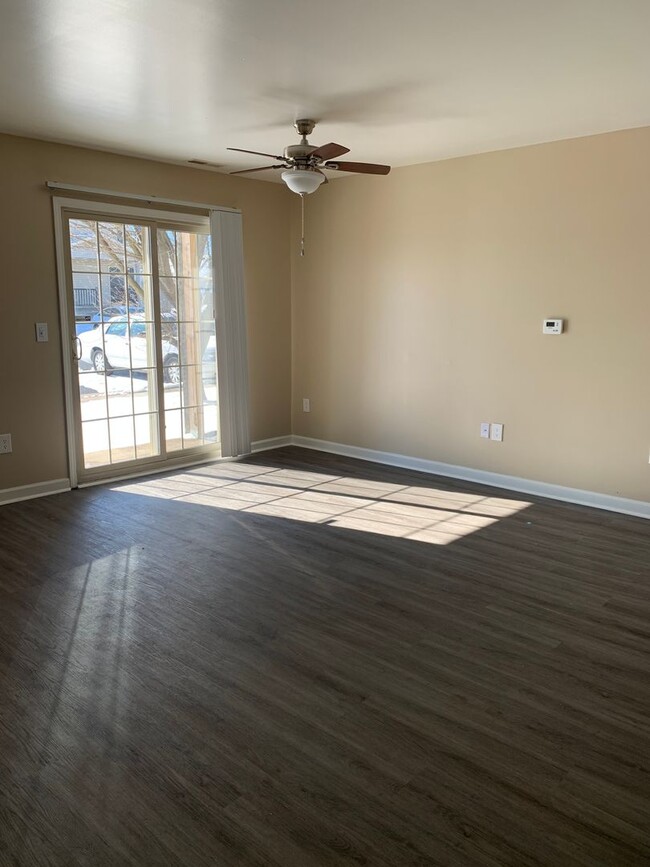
<point x="302" y="216"/>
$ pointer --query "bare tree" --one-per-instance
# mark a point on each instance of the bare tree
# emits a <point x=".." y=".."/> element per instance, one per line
<point x="124" y="248"/>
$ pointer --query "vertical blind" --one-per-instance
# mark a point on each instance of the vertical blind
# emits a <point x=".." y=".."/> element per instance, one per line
<point x="232" y="335"/>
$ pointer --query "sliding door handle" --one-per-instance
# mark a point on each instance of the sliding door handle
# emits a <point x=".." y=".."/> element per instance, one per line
<point x="76" y="349"/>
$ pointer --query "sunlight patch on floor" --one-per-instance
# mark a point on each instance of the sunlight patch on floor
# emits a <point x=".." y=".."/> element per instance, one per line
<point x="409" y="512"/>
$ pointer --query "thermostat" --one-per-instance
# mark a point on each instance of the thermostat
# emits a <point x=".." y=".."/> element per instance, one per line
<point x="553" y="326"/>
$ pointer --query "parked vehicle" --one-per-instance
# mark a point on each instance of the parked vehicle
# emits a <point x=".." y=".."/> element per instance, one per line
<point x="127" y="345"/>
<point x="89" y="322"/>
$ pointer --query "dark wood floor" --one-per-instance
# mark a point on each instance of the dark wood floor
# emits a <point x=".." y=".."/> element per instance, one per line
<point x="308" y="660"/>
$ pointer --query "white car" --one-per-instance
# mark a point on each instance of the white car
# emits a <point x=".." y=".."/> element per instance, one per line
<point x="130" y="347"/>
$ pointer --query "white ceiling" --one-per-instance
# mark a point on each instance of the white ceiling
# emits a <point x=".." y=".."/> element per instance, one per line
<point x="397" y="82"/>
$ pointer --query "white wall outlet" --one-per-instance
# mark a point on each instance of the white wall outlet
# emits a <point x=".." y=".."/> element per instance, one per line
<point x="553" y="326"/>
<point x="41" y="332"/>
<point x="5" y="444"/>
<point x="496" y="432"/>
<point x="306" y="406"/>
<point x="485" y="430"/>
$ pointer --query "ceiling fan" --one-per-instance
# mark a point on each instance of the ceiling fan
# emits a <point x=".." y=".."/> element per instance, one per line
<point x="303" y="163"/>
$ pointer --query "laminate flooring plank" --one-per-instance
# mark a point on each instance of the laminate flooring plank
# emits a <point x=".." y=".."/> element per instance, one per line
<point x="303" y="659"/>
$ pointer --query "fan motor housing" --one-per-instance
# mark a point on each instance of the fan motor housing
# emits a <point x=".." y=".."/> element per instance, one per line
<point x="297" y="151"/>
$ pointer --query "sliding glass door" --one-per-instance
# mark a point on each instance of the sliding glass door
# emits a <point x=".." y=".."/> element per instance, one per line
<point x="141" y="319"/>
<point x="186" y="299"/>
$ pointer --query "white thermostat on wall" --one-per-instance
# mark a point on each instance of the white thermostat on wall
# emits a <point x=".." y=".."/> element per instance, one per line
<point x="553" y="326"/>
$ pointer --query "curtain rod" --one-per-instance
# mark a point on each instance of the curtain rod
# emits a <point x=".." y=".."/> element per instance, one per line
<point x="113" y="194"/>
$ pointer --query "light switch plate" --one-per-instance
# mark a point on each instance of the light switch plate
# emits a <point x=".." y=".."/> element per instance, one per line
<point x="485" y="430"/>
<point x="497" y="432"/>
<point x="41" y="332"/>
<point x="5" y="444"/>
<point x="306" y="406"/>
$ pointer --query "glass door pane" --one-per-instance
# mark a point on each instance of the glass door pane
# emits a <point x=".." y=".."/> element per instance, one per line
<point x="188" y="338"/>
<point x="112" y="287"/>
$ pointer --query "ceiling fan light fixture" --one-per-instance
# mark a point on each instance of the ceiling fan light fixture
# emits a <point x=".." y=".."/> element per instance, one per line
<point x="302" y="181"/>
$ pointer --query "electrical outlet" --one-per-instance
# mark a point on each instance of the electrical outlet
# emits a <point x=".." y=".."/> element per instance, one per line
<point x="5" y="444"/>
<point x="496" y="432"/>
<point x="485" y="430"/>
<point x="306" y="407"/>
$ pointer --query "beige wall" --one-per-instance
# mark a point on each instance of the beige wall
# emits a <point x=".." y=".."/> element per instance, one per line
<point x="417" y="312"/>
<point x="31" y="378"/>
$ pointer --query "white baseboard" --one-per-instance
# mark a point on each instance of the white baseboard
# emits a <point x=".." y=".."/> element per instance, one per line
<point x="29" y="492"/>
<point x="610" y="503"/>
<point x="625" y="506"/>
<point x="272" y="443"/>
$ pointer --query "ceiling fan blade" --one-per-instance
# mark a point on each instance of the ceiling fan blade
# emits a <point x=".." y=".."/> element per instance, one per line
<point x="260" y="169"/>
<point x="257" y="153"/>
<point x="362" y="168"/>
<point x="329" y="151"/>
